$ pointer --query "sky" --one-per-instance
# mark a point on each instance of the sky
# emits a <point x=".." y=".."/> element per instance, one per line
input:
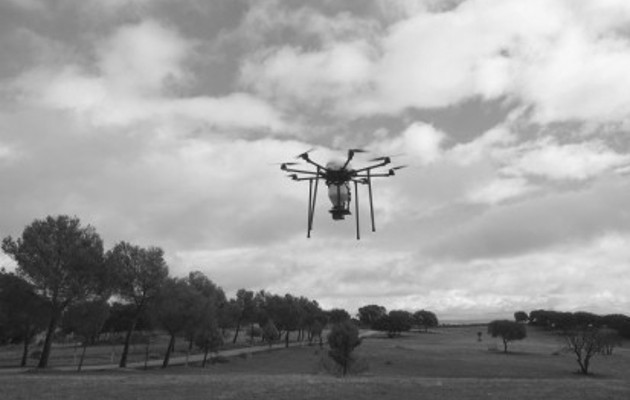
<point x="160" y="123"/>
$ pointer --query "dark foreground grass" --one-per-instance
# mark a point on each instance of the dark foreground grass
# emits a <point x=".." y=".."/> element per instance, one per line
<point x="448" y="364"/>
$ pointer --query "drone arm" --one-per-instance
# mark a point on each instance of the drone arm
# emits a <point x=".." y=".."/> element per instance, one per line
<point x="300" y="171"/>
<point x="350" y="157"/>
<point x="367" y="176"/>
<point x="304" y="178"/>
<point x="381" y="164"/>
<point x="306" y="158"/>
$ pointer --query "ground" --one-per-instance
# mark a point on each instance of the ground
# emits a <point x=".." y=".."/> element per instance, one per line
<point x="447" y="363"/>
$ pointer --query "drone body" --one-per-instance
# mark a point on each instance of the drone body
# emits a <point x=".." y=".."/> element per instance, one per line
<point x="338" y="175"/>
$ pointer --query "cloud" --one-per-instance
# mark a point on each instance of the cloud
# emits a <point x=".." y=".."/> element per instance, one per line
<point x="28" y="5"/>
<point x="500" y="190"/>
<point x="545" y="221"/>
<point x="313" y="79"/>
<point x="551" y="56"/>
<point x="120" y="121"/>
<point x="421" y="142"/>
<point x="140" y="69"/>
<point x="574" y="161"/>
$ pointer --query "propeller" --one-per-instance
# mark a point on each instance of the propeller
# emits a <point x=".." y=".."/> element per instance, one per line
<point x="358" y="151"/>
<point x="391" y="170"/>
<point x="378" y="159"/>
<point x="293" y="176"/>
<point x="305" y="154"/>
<point x="285" y="163"/>
<point x="383" y="158"/>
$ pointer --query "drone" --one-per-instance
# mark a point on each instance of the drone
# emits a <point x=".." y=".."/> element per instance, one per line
<point x="338" y="175"/>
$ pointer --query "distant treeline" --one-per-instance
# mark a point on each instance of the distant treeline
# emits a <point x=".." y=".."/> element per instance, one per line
<point x="559" y="320"/>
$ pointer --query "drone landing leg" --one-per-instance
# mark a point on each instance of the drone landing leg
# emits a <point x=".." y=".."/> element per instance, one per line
<point x="369" y="182"/>
<point x="309" y="220"/>
<point x="356" y="207"/>
<point x="312" y="204"/>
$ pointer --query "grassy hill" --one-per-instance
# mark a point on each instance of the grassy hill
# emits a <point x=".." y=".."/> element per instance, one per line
<point x="446" y="363"/>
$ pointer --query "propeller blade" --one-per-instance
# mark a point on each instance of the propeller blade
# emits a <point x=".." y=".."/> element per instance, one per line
<point x="399" y="167"/>
<point x="383" y="158"/>
<point x="285" y="163"/>
<point x="293" y="176"/>
<point x="305" y="154"/>
<point x="358" y="150"/>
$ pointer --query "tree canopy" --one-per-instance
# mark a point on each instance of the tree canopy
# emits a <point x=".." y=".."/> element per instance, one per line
<point x="509" y="331"/>
<point x="63" y="261"/>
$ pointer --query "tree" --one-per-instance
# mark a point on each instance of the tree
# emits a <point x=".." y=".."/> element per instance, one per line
<point x="140" y="274"/>
<point x="244" y="302"/>
<point x="343" y="339"/>
<point x="85" y="320"/>
<point x="63" y="261"/>
<point x="316" y="331"/>
<point x="24" y="313"/>
<point x="176" y="307"/>
<point x="394" y="323"/>
<point x="507" y="330"/>
<point x="337" y="316"/>
<point x="426" y="319"/>
<point x="369" y="314"/>
<point x="619" y="322"/>
<point x="270" y="332"/>
<point x="585" y="343"/>
<point x="120" y="318"/>
<point x="520" y="316"/>
<point x="203" y="328"/>
<point x="210" y="340"/>
<point x="288" y="315"/>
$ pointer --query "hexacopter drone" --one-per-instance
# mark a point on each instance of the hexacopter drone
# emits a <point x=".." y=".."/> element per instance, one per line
<point x="337" y="176"/>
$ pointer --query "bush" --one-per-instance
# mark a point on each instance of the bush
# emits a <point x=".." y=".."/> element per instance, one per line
<point x="343" y="339"/>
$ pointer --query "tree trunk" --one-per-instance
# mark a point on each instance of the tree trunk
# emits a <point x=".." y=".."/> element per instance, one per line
<point x="505" y="343"/>
<point x="52" y="325"/>
<point x="584" y="364"/>
<point x="286" y="339"/>
<point x="25" y="352"/>
<point x="206" y="349"/>
<point x="146" y="353"/>
<point x="238" y="328"/>
<point x="171" y="347"/>
<point x="82" y="356"/>
<point x="123" y="357"/>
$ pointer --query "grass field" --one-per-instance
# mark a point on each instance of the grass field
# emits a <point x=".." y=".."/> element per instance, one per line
<point x="447" y="364"/>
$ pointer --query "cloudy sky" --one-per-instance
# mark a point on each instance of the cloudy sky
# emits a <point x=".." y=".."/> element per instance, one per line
<point x="159" y="121"/>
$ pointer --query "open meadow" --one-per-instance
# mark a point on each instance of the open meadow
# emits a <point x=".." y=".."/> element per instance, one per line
<point x="446" y="363"/>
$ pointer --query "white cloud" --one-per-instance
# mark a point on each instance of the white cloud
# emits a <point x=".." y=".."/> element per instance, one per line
<point x="489" y="146"/>
<point x="545" y="221"/>
<point x="499" y="190"/>
<point x="140" y="58"/>
<point x="137" y="69"/>
<point x="419" y="141"/>
<point x="289" y="75"/>
<point x="574" y="161"/>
